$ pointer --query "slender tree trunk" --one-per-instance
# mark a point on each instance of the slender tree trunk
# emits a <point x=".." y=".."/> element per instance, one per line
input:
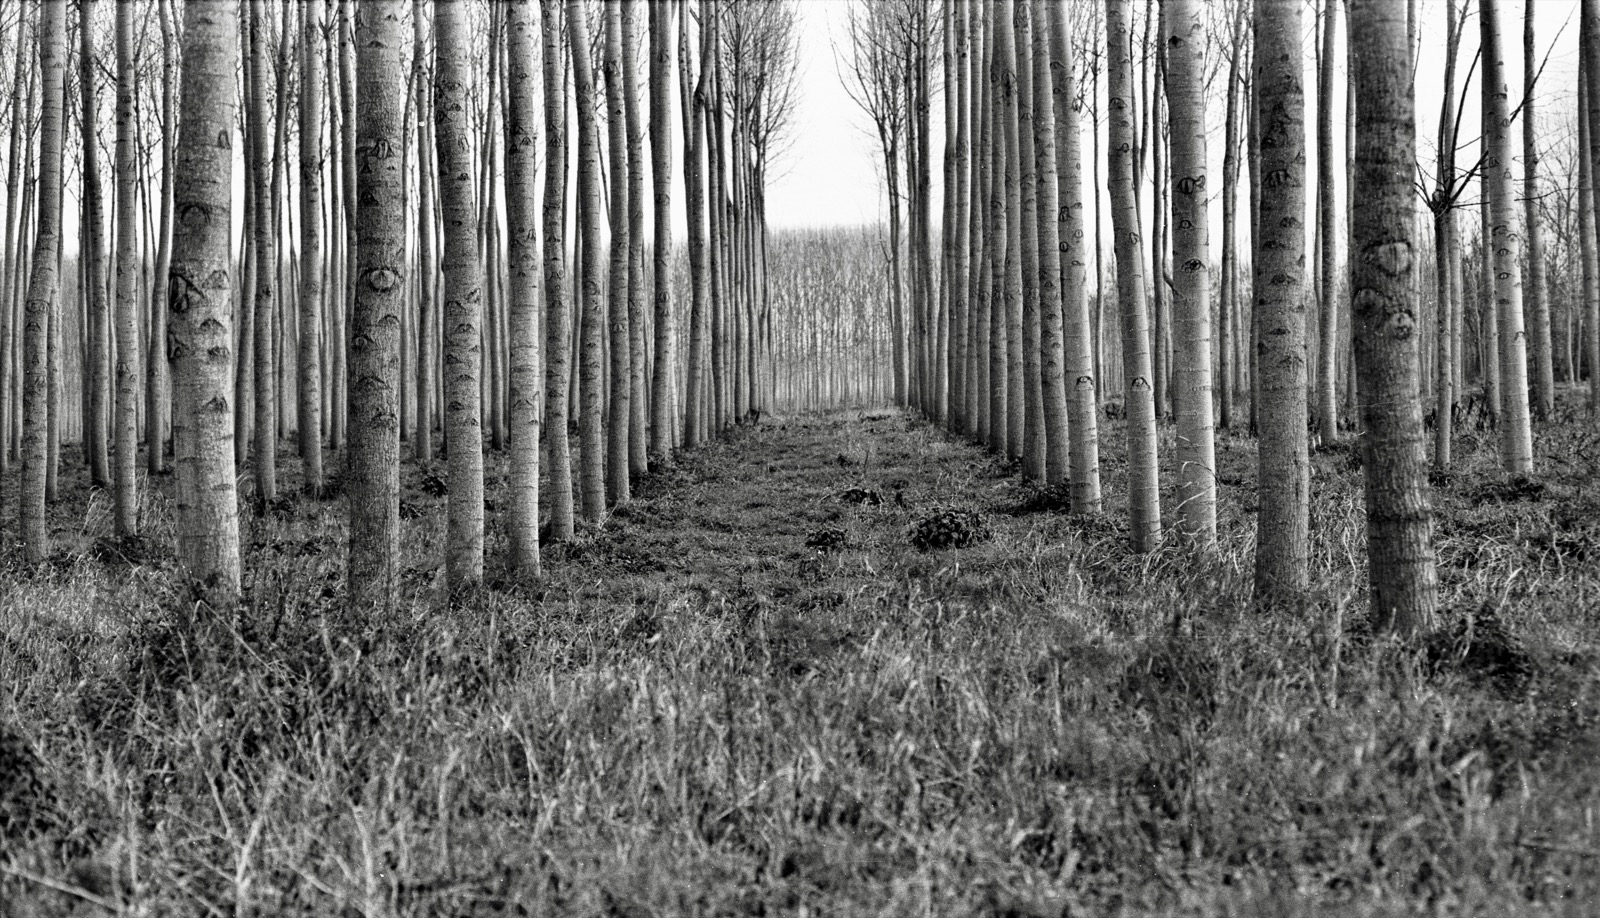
<point x="619" y="411"/>
<point x="695" y="206"/>
<point x="462" y="293"/>
<point x="427" y="244"/>
<point x="558" y="308"/>
<point x="97" y="422"/>
<point x="201" y="338"/>
<point x="380" y="296"/>
<point x="974" y="253"/>
<point x="1516" y="432"/>
<point x="264" y="246"/>
<point x="1542" y="398"/>
<point x="1283" y="482"/>
<point x="1228" y="303"/>
<point x="591" y="472"/>
<point x="1011" y="297"/>
<point x="522" y="232"/>
<point x="43" y="300"/>
<point x="308" y="356"/>
<point x="1185" y="84"/>
<point x="1447" y="254"/>
<point x="638" y="459"/>
<point x="1403" y="579"/>
<point x="1021" y="130"/>
<point x="1080" y="330"/>
<point x="663" y="408"/>
<point x="126" y="511"/>
<point x="1144" y="485"/>
<point x="1589" y="245"/>
<point x="999" y="238"/>
<point x="1327" y="380"/>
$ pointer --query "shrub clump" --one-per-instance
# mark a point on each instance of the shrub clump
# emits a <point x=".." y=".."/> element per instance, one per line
<point x="949" y="529"/>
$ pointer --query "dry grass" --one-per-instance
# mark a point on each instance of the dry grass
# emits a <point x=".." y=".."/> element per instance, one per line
<point x="698" y="713"/>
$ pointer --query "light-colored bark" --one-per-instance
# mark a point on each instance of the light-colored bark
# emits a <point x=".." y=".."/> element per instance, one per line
<point x="1590" y="241"/>
<point x="97" y="418"/>
<point x="1144" y="486"/>
<point x="638" y="459"/>
<point x="126" y="422"/>
<point x="462" y="293"/>
<point x="308" y="353"/>
<point x="1327" y="377"/>
<point x="1401" y="572"/>
<point x="522" y="232"/>
<point x="1283" y="481"/>
<point x="43" y="299"/>
<point x="381" y="291"/>
<point x="1505" y="239"/>
<point x="200" y="345"/>
<point x="1542" y="394"/>
<point x="1011" y="300"/>
<point x="591" y="439"/>
<point x="618" y="429"/>
<point x="558" y="308"/>
<point x="1184" y="36"/>
<point x="1026" y="226"/>
<point x="427" y="243"/>
<point x="265" y="254"/>
<point x="1081" y="386"/>
<point x="694" y="101"/>
<point x="664" y="372"/>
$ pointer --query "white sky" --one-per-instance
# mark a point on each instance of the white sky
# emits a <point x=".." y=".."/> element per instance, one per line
<point x="830" y="175"/>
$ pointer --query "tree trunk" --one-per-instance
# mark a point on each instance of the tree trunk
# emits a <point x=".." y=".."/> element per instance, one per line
<point x="1021" y="131"/>
<point x="1404" y="583"/>
<point x="1079" y="328"/>
<point x="462" y="293"/>
<point x="1589" y="244"/>
<point x="1542" y="398"/>
<point x="43" y="299"/>
<point x="97" y="422"/>
<point x="694" y="102"/>
<point x="591" y="471"/>
<point x="1516" y="432"/>
<point x="1283" y="482"/>
<point x="1144" y="485"/>
<point x="1011" y="300"/>
<point x="1228" y="303"/>
<point x="558" y="308"/>
<point x="201" y="339"/>
<point x="663" y="410"/>
<point x="1185" y="84"/>
<point x="1327" y="380"/>
<point x="380" y="297"/>
<point x="265" y="248"/>
<point x="522" y="232"/>
<point x="125" y="469"/>
<point x="308" y="357"/>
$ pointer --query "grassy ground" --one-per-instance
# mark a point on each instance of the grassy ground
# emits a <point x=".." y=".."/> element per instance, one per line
<point x="750" y="693"/>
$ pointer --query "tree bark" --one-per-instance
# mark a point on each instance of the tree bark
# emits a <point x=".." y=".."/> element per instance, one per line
<point x="1327" y="379"/>
<point x="308" y="353"/>
<point x="125" y="468"/>
<point x="663" y="407"/>
<point x="1191" y="290"/>
<point x="200" y="345"/>
<point x="43" y="299"/>
<point x="380" y="298"/>
<point x="1144" y="485"/>
<point x="1515" y="427"/>
<point x="1589" y="245"/>
<point x="1026" y="226"/>
<point x="1542" y="397"/>
<point x="1283" y="482"/>
<point x="591" y="471"/>
<point x="522" y="232"/>
<point x="264" y="246"/>
<point x="558" y="308"/>
<point x="1404" y="583"/>
<point x="638" y="458"/>
<point x="462" y="293"/>
<point x="1080" y="330"/>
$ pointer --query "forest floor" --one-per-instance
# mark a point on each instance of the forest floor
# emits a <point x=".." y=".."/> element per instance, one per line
<point x="760" y="689"/>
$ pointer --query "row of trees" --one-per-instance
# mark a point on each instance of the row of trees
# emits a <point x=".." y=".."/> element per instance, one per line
<point x="1004" y="349"/>
<point x="413" y="276"/>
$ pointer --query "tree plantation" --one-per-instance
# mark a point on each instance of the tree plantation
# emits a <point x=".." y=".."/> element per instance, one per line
<point x="444" y="472"/>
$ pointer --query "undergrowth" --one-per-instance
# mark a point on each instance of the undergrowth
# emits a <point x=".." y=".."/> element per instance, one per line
<point x="963" y="701"/>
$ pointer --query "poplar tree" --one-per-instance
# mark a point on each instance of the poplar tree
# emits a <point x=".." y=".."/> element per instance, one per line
<point x="591" y="439"/>
<point x="522" y="231"/>
<point x="308" y="354"/>
<point x="558" y="308"/>
<point x="663" y="390"/>
<point x="1184" y="39"/>
<point x="42" y="302"/>
<point x="126" y="426"/>
<point x="617" y="305"/>
<point x="462" y="293"/>
<point x="200" y="344"/>
<point x="1283" y="482"/>
<point x="1401" y="572"/>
